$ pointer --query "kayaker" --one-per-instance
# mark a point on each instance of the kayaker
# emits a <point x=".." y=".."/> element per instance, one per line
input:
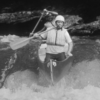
<point x="56" y="40"/>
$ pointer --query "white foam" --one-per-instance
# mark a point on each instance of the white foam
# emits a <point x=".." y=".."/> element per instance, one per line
<point x="82" y="83"/>
<point x="58" y="92"/>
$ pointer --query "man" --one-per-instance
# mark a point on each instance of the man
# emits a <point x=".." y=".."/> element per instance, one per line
<point x="56" y="40"/>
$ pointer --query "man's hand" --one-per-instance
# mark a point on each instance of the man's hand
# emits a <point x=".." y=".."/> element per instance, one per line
<point x="31" y="34"/>
<point x="36" y="35"/>
<point x="69" y="54"/>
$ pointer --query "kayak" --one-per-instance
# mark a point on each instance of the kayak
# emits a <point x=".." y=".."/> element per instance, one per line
<point x="42" y="52"/>
<point x="53" y="68"/>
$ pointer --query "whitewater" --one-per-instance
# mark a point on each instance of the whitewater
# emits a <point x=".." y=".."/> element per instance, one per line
<point x="82" y="83"/>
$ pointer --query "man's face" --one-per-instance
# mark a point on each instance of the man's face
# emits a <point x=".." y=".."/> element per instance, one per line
<point x="59" y="24"/>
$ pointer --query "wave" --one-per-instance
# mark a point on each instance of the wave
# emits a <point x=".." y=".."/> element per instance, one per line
<point x="82" y="82"/>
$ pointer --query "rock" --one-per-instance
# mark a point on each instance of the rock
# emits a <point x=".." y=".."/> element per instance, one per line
<point x="18" y="16"/>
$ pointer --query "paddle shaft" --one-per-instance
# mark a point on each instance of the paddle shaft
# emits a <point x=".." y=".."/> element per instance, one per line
<point x="26" y="40"/>
<point x="37" y="23"/>
<point x="51" y="71"/>
<point x="38" y="33"/>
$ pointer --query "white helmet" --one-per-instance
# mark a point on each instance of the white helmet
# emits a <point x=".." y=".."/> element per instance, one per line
<point x="60" y="18"/>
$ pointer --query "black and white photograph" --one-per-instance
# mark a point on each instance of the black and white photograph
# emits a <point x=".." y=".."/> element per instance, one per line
<point x="49" y="49"/>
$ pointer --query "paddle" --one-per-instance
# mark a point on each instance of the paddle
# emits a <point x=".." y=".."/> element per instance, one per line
<point x="51" y="71"/>
<point x="45" y="11"/>
<point x="36" y="24"/>
<point x="24" y="42"/>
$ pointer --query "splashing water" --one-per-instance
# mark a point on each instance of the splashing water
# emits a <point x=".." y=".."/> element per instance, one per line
<point x="82" y="83"/>
<point x="85" y="73"/>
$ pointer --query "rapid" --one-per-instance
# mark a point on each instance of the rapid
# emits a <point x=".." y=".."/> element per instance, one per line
<point x="80" y="82"/>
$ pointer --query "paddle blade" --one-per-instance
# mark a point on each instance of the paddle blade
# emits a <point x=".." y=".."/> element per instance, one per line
<point x="18" y="44"/>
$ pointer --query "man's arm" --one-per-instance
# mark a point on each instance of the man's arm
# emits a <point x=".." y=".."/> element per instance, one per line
<point x="70" y="47"/>
<point x="37" y="36"/>
<point x="70" y="43"/>
<point x="40" y="36"/>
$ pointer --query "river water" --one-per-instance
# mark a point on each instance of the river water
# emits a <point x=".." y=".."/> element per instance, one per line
<point x="82" y="83"/>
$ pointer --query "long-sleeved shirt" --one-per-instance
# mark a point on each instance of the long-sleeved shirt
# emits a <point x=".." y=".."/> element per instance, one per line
<point x="56" y="40"/>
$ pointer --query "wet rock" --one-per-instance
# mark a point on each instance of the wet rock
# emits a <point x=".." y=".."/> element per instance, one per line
<point x="21" y="16"/>
<point x="73" y="23"/>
